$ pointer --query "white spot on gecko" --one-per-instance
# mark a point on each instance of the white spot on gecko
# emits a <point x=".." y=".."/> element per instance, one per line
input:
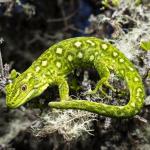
<point x="140" y="100"/>
<point x="136" y="79"/>
<point x="37" y="69"/>
<point x="133" y="104"/>
<point x="96" y="53"/>
<point x="70" y="58"/>
<point x="78" y="44"/>
<point x="131" y="69"/>
<point x="115" y="54"/>
<point x="29" y="75"/>
<point x="90" y="42"/>
<point x="91" y="57"/>
<point x="44" y="63"/>
<point x="59" y="50"/>
<point x="120" y="107"/>
<point x="43" y="75"/>
<point x="58" y="64"/>
<point x="80" y="55"/>
<point x="139" y="90"/>
<point x="121" y="60"/>
<point x="104" y="46"/>
<point x="48" y="73"/>
<point x="122" y="72"/>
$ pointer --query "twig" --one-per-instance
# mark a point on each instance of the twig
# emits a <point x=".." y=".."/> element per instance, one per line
<point x="5" y="1"/>
<point x="1" y="65"/>
<point x="4" y="72"/>
<point x="62" y="19"/>
<point x="71" y="27"/>
<point x="146" y="74"/>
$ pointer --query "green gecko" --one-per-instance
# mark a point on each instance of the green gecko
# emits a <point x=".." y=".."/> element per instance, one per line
<point x="53" y="66"/>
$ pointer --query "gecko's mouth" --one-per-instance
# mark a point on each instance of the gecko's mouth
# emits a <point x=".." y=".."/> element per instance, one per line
<point x="14" y="104"/>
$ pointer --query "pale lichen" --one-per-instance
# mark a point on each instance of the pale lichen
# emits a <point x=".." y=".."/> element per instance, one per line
<point x="71" y="124"/>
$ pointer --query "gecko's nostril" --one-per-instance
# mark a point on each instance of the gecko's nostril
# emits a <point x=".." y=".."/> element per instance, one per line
<point x="10" y="104"/>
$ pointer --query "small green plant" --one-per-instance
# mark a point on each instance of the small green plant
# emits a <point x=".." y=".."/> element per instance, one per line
<point x="145" y="45"/>
<point x="107" y="3"/>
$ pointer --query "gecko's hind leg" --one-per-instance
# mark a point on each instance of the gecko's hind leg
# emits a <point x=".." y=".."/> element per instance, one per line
<point x="104" y="73"/>
<point x="63" y="88"/>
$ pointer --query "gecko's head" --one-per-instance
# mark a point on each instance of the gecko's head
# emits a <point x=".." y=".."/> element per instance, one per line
<point x="22" y="90"/>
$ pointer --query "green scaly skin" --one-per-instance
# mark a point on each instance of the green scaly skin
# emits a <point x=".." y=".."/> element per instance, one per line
<point x="53" y="66"/>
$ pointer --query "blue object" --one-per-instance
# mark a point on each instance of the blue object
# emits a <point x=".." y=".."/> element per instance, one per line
<point x="85" y="9"/>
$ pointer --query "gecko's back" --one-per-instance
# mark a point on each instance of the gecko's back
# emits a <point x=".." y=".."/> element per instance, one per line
<point x="66" y="55"/>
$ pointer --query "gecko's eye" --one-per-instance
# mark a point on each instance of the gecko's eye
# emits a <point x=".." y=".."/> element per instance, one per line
<point x="24" y="87"/>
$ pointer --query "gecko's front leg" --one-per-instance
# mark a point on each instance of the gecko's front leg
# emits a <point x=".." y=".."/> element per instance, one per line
<point x="63" y="88"/>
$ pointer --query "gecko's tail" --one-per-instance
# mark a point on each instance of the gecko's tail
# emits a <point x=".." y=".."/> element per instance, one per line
<point x="133" y="107"/>
<point x="98" y="108"/>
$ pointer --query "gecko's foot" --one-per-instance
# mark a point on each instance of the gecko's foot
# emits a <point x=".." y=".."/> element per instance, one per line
<point x="92" y="92"/>
<point x="107" y="84"/>
<point x="66" y="99"/>
<point x="99" y="86"/>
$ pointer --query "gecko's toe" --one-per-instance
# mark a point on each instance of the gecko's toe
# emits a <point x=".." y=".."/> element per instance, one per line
<point x="90" y="92"/>
<point x="107" y="84"/>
